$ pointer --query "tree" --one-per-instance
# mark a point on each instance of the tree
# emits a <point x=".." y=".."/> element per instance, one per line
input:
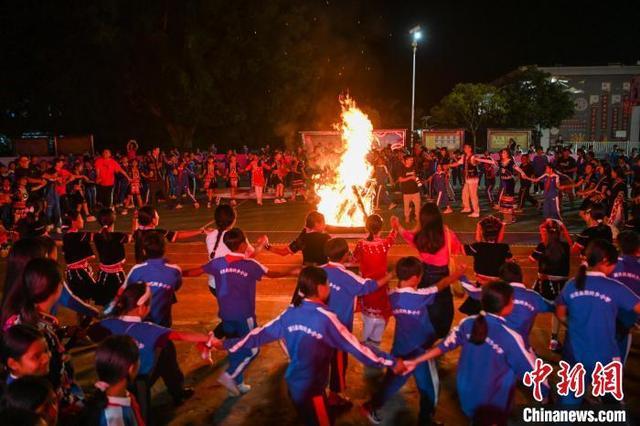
<point x="186" y="72"/>
<point x="470" y="106"/>
<point x="535" y="99"/>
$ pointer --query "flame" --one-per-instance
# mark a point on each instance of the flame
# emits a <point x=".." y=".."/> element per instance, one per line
<point x="345" y="197"/>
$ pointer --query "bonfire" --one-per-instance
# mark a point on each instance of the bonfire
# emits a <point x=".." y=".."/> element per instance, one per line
<point x="345" y="196"/>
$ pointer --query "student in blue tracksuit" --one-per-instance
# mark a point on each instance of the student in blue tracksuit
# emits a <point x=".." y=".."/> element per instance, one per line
<point x="312" y="334"/>
<point x="627" y="271"/>
<point x="493" y="361"/>
<point x="527" y="304"/>
<point x="163" y="278"/>
<point x="345" y="287"/>
<point x="236" y="277"/>
<point x="413" y="334"/>
<point x="158" y="357"/>
<point x="589" y="304"/>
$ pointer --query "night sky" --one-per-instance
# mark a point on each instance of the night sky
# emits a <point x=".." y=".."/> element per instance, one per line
<point x="481" y="40"/>
<point x="54" y="59"/>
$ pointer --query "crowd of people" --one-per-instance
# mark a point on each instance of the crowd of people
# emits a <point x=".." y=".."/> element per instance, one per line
<point x="512" y="180"/>
<point x="45" y="190"/>
<point x="128" y="313"/>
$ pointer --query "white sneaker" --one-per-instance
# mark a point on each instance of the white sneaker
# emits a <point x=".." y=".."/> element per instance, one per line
<point x="282" y="200"/>
<point x="178" y="206"/>
<point x="465" y="211"/>
<point x="227" y="381"/>
<point x="91" y="218"/>
<point x="448" y="210"/>
<point x="476" y="214"/>
<point x="243" y="388"/>
<point x="276" y="201"/>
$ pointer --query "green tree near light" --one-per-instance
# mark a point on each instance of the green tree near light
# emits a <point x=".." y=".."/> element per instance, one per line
<point x="470" y="106"/>
<point x="534" y="99"/>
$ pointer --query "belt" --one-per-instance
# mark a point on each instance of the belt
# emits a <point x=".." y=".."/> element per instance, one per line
<point x="81" y="264"/>
<point x="111" y="269"/>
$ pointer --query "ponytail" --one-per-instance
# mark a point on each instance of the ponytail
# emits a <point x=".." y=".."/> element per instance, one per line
<point x="479" y="330"/>
<point x="224" y="218"/>
<point x="598" y="251"/>
<point x="495" y="297"/>
<point x="215" y="246"/>
<point x="308" y="281"/>
<point x="106" y="218"/>
<point x="374" y="226"/>
<point x="128" y="298"/>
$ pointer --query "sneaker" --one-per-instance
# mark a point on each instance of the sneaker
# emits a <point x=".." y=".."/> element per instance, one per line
<point x="124" y="212"/>
<point x="554" y="345"/>
<point x="339" y="401"/>
<point x="448" y="210"/>
<point x="476" y="214"/>
<point x="178" y="206"/>
<point x="244" y="388"/>
<point x="227" y="381"/>
<point x="282" y="200"/>
<point x="91" y="218"/>
<point x="370" y="413"/>
<point x="465" y="211"/>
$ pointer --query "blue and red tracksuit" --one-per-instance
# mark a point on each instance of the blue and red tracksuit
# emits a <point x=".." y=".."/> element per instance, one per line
<point x="527" y="304"/>
<point x="627" y="271"/>
<point x="345" y="287"/>
<point x="413" y="334"/>
<point x="591" y="322"/>
<point x="488" y="373"/>
<point x="164" y="280"/>
<point x="312" y="334"/>
<point x="236" y="277"/>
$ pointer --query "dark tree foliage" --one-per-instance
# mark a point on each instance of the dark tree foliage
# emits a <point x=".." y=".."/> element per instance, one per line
<point x="186" y="72"/>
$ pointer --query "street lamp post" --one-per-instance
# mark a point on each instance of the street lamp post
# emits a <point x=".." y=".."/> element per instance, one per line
<point x="417" y="34"/>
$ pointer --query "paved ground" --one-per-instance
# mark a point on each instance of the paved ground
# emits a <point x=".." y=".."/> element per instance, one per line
<point x="267" y="403"/>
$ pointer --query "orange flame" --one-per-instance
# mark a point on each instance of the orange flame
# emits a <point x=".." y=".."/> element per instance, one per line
<point x="346" y="199"/>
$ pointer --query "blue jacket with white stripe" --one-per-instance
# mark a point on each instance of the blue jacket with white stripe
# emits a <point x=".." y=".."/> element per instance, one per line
<point x="413" y="326"/>
<point x="526" y="305"/>
<point x="345" y="287"/>
<point x="311" y="332"/>
<point x="591" y="318"/>
<point x="488" y="373"/>
<point x="165" y="280"/>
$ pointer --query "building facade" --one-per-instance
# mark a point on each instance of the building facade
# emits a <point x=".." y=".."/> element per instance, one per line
<point x="607" y="103"/>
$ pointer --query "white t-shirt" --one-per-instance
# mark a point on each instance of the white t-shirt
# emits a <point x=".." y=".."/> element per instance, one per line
<point x="221" y="250"/>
